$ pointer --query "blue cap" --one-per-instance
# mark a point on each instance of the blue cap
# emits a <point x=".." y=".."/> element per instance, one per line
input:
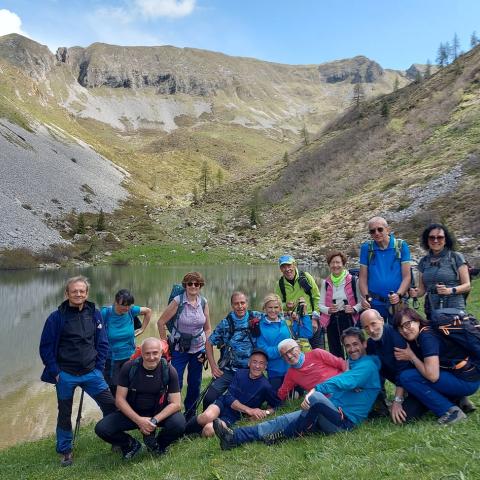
<point x="286" y="260"/>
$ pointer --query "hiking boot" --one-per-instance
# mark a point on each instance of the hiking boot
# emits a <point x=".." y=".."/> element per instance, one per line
<point x="224" y="434"/>
<point x="466" y="405"/>
<point x="133" y="448"/>
<point x="66" y="460"/>
<point x="272" y="438"/>
<point x="453" y="415"/>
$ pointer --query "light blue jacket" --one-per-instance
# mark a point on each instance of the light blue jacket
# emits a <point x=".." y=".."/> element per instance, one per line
<point x="355" y="390"/>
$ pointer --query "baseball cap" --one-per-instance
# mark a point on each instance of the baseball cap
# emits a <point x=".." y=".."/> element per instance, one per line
<point x="260" y="351"/>
<point x="286" y="260"/>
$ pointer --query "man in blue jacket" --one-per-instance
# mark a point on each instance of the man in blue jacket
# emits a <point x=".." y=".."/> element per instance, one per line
<point x="73" y="348"/>
<point x="352" y="395"/>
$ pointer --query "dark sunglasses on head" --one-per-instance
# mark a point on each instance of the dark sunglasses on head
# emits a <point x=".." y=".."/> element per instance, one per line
<point x="193" y="284"/>
<point x="435" y="238"/>
<point x="378" y="229"/>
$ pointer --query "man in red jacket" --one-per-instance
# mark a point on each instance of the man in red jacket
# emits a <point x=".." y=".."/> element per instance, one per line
<point x="307" y="369"/>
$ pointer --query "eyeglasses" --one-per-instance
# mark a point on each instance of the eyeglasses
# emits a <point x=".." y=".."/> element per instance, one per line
<point x="406" y="325"/>
<point x="193" y="284"/>
<point x="378" y="229"/>
<point x="77" y="292"/>
<point x="290" y="352"/>
<point x="436" y="238"/>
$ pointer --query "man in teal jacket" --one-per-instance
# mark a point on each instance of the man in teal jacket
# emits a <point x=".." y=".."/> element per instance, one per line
<point x="352" y="395"/>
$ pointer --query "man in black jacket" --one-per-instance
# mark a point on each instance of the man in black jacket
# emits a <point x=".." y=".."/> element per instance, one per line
<point x="148" y="398"/>
<point x="73" y="348"/>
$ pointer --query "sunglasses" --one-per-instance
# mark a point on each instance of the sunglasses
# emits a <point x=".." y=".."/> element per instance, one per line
<point x="436" y="238"/>
<point x="406" y="325"/>
<point x="378" y="229"/>
<point x="193" y="284"/>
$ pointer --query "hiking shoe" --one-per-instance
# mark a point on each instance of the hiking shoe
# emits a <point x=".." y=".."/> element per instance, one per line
<point x="66" y="460"/>
<point x="224" y="434"/>
<point x="466" y="405"/>
<point x="273" y="438"/>
<point x="133" y="448"/>
<point x="453" y="415"/>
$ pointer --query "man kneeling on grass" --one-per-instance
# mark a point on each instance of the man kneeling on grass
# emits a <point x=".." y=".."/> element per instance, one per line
<point x="246" y="394"/>
<point x="352" y="395"/>
<point x="148" y="397"/>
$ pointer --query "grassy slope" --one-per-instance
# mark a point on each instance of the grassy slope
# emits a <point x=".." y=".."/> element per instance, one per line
<point x="376" y="450"/>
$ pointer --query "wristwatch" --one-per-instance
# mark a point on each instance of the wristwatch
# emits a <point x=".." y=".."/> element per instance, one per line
<point x="454" y="290"/>
<point x="398" y="399"/>
<point x="154" y="421"/>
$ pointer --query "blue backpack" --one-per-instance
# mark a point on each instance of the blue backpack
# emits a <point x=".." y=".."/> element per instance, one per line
<point x="178" y="289"/>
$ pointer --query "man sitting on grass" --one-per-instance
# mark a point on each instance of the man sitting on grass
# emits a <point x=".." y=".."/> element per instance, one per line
<point x="148" y="397"/>
<point x="307" y="369"/>
<point x="246" y="394"/>
<point x="352" y="395"/>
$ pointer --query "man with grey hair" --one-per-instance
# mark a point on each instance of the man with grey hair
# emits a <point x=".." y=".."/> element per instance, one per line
<point x="73" y="348"/>
<point x="307" y="369"/>
<point x="384" y="269"/>
<point x="148" y="398"/>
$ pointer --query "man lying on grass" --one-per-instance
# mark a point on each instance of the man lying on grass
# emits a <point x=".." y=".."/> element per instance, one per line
<point x="246" y="394"/>
<point x="352" y="395"/>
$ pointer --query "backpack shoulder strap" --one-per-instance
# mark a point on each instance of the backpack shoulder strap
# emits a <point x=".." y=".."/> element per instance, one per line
<point x="307" y="288"/>
<point x="231" y="326"/>
<point x="371" y="252"/>
<point x="398" y="244"/>
<point x="354" y="286"/>
<point x="165" y="372"/>
<point x="133" y="370"/>
<point x="281" y="285"/>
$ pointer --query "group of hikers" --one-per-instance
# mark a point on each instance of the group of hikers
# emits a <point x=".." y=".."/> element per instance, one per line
<point x="266" y="357"/>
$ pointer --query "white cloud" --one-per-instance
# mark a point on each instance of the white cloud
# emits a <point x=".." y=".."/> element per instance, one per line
<point x="10" y="23"/>
<point x="165" y="8"/>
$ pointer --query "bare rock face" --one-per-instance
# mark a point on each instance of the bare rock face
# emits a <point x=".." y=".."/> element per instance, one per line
<point x="416" y="68"/>
<point x="31" y="57"/>
<point x="356" y="70"/>
<point x="170" y="70"/>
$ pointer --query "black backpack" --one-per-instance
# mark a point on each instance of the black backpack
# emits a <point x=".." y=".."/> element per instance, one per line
<point x="132" y="373"/>
<point x="461" y="332"/>
<point x="303" y="282"/>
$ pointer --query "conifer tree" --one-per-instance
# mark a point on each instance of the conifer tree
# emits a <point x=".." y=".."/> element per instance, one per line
<point x="455" y="49"/>
<point x="358" y="94"/>
<point x="80" y="224"/>
<point x="286" y="160"/>
<point x="474" y="41"/>
<point x="305" y="136"/>
<point x="428" y="70"/>
<point x="396" y="84"/>
<point x="195" y="195"/>
<point x="100" y="221"/>
<point x="219" y="176"/>
<point x="205" y="176"/>
<point x="385" y="109"/>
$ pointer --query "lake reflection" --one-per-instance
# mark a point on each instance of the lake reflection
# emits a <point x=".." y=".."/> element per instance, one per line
<point x="28" y="297"/>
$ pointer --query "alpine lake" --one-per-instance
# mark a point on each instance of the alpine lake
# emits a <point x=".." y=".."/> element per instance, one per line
<point x="28" y="407"/>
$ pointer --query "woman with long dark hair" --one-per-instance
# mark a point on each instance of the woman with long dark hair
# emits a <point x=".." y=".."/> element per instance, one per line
<point x="443" y="273"/>
<point x="436" y="381"/>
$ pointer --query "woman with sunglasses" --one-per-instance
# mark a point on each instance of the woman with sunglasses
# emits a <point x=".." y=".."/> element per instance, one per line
<point x="274" y="329"/>
<point x="437" y="381"/>
<point x="339" y="307"/>
<point x="189" y="333"/>
<point x="443" y="273"/>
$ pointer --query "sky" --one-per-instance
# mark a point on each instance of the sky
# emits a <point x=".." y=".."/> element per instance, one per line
<point x="395" y="33"/>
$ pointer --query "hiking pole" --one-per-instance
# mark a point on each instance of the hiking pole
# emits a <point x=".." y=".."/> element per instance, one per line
<point x="413" y="284"/>
<point x="194" y="407"/>
<point x="79" y="417"/>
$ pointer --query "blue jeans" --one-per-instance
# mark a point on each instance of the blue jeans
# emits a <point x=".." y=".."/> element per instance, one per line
<point x="180" y="360"/>
<point x="94" y="384"/>
<point x="322" y="416"/>
<point x="436" y="396"/>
